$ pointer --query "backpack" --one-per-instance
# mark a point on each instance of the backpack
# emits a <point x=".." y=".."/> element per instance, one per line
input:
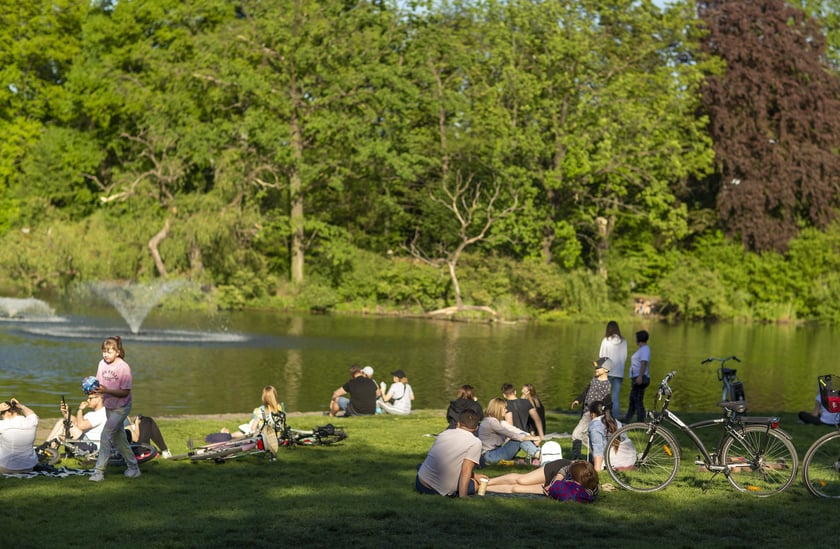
<point x="829" y="396"/>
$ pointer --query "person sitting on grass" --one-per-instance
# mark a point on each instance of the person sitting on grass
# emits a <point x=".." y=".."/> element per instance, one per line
<point x="85" y="426"/>
<point x="601" y="428"/>
<point x="448" y="468"/>
<point x="397" y="400"/>
<point x="266" y="414"/>
<point x="562" y="479"/>
<point x="520" y="411"/>
<point x="466" y="400"/>
<point x="500" y="440"/>
<point x="18" y="425"/>
<point x="819" y="415"/>
<point x="363" y="393"/>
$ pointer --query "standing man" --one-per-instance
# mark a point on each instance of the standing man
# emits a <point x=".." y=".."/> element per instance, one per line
<point x="519" y="410"/>
<point x="639" y="377"/>
<point x="448" y="469"/>
<point x="363" y="393"/>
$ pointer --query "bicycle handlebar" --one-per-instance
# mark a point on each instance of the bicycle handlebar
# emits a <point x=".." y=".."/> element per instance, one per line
<point x="663" y="385"/>
<point x="721" y="360"/>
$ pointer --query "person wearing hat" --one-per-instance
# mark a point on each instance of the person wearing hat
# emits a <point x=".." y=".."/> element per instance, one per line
<point x="363" y="394"/>
<point x="599" y="389"/>
<point x="398" y="399"/>
<point x="18" y="425"/>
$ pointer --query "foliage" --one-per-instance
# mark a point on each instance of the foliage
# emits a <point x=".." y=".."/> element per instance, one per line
<point x="771" y="112"/>
<point x="544" y="159"/>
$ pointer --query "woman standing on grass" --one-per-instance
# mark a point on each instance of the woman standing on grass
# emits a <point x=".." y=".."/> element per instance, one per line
<point x="114" y="376"/>
<point x="614" y="347"/>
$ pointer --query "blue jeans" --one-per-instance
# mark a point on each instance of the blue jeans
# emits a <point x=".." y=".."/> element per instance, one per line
<point x="615" y="385"/>
<point x="508" y="450"/>
<point x="113" y="434"/>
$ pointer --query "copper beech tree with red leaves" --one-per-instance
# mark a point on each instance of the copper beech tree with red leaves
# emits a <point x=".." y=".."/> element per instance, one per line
<point x="774" y="118"/>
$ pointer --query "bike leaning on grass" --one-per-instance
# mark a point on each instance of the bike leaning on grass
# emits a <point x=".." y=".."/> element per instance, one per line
<point x="821" y="466"/>
<point x="753" y="453"/>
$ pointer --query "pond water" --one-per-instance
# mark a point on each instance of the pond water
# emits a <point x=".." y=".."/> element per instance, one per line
<point x="196" y="364"/>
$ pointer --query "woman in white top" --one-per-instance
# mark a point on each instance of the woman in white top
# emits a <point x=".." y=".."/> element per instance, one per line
<point x="399" y="396"/>
<point x="614" y="347"/>
<point x="18" y="425"/>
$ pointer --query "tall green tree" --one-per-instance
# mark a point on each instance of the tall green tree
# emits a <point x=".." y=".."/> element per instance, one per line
<point x="302" y="80"/>
<point x="38" y="43"/>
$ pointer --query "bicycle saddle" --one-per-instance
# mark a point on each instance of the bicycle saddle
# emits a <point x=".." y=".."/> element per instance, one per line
<point x="737" y="406"/>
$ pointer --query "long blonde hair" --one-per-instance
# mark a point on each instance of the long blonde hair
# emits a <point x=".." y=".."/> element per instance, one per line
<point x="497" y="407"/>
<point x="269" y="398"/>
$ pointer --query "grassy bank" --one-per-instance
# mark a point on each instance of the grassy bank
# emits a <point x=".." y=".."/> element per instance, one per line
<point x="361" y="494"/>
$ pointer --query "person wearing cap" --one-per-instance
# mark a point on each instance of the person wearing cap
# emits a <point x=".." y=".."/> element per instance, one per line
<point x="398" y="399"/>
<point x="599" y="388"/>
<point x="363" y="394"/>
<point x="18" y="425"/>
<point x="448" y="468"/>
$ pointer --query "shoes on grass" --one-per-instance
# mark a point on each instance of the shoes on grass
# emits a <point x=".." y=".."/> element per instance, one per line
<point x="166" y="454"/>
<point x="132" y="472"/>
<point x="97" y="476"/>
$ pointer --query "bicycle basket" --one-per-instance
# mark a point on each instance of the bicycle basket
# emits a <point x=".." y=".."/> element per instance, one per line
<point x="829" y="396"/>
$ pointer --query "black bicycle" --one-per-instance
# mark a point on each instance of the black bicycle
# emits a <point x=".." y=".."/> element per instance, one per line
<point x="754" y="454"/>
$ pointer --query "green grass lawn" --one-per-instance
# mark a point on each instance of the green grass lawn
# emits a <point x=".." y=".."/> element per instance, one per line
<point x="361" y="494"/>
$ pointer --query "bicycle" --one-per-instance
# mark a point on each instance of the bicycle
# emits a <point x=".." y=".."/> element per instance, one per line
<point x="821" y="465"/>
<point x="754" y="454"/>
<point x="272" y="433"/>
<point x="733" y="388"/>
<point x="323" y="435"/>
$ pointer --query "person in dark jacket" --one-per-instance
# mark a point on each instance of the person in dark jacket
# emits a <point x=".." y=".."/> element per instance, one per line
<point x="466" y="401"/>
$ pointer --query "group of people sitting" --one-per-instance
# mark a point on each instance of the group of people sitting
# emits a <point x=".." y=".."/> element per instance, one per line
<point x="362" y="396"/>
<point x="19" y="427"/>
<point x="510" y="425"/>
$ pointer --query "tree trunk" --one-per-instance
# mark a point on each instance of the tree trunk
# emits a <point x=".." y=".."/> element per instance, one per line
<point x="153" y="248"/>
<point x="296" y="206"/>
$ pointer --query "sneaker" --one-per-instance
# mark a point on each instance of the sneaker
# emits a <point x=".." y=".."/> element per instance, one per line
<point x="166" y="454"/>
<point x="132" y="473"/>
<point x="97" y="476"/>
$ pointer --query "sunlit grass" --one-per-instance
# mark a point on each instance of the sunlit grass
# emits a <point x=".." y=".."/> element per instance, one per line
<point x="361" y="494"/>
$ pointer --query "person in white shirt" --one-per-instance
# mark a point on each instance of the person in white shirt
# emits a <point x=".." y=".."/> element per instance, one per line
<point x="399" y="396"/>
<point x="18" y="425"/>
<point x="85" y="426"/>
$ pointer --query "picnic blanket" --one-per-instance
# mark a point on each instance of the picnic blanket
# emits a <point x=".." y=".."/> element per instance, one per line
<point x="55" y="472"/>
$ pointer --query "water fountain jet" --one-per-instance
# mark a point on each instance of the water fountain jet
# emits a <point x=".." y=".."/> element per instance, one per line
<point x="134" y="300"/>
<point x="28" y="307"/>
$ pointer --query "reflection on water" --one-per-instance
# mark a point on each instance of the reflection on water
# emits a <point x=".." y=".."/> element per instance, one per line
<point x="189" y="363"/>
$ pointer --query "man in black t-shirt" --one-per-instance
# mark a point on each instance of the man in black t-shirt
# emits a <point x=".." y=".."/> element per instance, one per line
<point x="519" y="409"/>
<point x="363" y="392"/>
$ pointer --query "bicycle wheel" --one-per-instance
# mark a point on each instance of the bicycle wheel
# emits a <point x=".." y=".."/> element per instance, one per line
<point x="227" y="451"/>
<point x="48" y="456"/>
<point x="142" y="453"/>
<point x="657" y="458"/>
<point x="821" y="467"/>
<point x="326" y="439"/>
<point x="762" y="461"/>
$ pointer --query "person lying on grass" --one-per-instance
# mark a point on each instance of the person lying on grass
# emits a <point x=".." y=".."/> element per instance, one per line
<point x="562" y="479"/>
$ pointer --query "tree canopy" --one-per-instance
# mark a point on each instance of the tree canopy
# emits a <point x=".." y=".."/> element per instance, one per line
<point x="425" y="152"/>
